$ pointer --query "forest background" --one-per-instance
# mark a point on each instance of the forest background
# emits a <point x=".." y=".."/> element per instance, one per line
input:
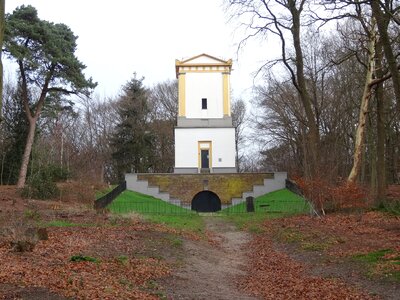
<point x="326" y="110"/>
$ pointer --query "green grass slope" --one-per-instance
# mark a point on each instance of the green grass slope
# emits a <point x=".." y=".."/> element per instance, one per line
<point x="130" y="201"/>
<point x="156" y="210"/>
<point x="272" y="205"/>
<point x="277" y="202"/>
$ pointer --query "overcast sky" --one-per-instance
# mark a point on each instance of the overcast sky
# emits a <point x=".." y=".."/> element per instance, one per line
<point x="120" y="37"/>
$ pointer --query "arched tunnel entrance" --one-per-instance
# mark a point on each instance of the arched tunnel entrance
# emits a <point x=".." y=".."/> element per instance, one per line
<point x="206" y="201"/>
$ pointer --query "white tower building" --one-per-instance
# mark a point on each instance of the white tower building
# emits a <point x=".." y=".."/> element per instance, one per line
<point x="204" y="135"/>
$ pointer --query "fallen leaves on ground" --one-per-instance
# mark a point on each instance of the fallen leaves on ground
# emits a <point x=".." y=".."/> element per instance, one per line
<point x="346" y="234"/>
<point x="273" y="274"/>
<point x="118" y="274"/>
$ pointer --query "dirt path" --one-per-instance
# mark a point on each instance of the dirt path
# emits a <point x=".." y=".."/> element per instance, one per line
<point x="210" y="272"/>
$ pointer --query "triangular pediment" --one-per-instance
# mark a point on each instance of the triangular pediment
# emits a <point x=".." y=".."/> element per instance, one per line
<point x="203" y="59"/>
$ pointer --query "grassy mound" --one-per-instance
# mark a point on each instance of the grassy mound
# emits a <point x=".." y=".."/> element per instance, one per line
<point x="277" y="202"/>
<point x="130" y="201"/>
<point x="156" y="210"/>
<point x="272" y="205"/>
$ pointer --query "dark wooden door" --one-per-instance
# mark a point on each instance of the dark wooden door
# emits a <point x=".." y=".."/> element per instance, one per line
<point x="205" y="159"/>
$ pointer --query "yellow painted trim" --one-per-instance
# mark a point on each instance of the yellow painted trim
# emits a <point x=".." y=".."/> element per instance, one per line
<point x="182" y="95"/>
<point x="204" y="71"/>
<point x="226" y="94"/>
<point x="187" y="63"/>
<point x="180" y="64"/>
<point x="209" y="152"/>
<point x="206" y="55"/>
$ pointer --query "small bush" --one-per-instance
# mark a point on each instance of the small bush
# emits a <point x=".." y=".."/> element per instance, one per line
<point x="392" y="206"/>
<point x="61" y="223"/>
<point x="58" y="173"/>
<point x="32" y="214"/>
<point x="78" y="191"/>
<point x="22" y="235"/>
<point x="79" y="258"/>
<point x="41" y="186"/>
<point x="123" y="259"/>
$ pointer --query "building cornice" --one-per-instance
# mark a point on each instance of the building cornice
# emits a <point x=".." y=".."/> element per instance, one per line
<point x="219" y="65"/>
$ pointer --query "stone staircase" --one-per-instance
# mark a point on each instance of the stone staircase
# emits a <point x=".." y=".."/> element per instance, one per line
<point x="270" y="185"/>
<point x="142" y="186"/>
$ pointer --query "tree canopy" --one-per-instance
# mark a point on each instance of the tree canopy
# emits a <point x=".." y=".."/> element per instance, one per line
<point x="45" y="54"/>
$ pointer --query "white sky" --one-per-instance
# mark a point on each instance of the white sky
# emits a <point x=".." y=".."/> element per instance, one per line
<point x="120" y="37"/>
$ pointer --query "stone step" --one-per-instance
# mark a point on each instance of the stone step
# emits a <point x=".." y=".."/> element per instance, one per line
<point x="142" y="186"/>
<point x="237" y="201"/>
<point x="175" y="201"/>
<point x="258" y="190"/>
<point x="270" y="185"/>
<point x="163" y="196"/>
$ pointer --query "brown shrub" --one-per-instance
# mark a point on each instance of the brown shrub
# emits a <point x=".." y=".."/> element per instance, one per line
<point x="21" y="234"/>
<point x="79" y="191"/>
<point x="328" y="196"/>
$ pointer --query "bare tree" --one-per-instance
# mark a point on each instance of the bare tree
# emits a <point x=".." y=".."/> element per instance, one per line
<point x="239" y="120"/>
<point x="284" y="19"/>
<point x="163" y="104"/>
<point x="90" y="139"/>
<point x="164" y="100"/>
<point x="364" y="105"/>
<point x="384" y="12"/>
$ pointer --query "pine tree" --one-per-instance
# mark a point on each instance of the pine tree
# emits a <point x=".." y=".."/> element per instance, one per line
<point x="132" y="140"/>
<point x="45" y="55"/>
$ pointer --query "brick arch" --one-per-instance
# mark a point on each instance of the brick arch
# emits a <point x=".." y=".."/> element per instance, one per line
<point x="206" y="201"/>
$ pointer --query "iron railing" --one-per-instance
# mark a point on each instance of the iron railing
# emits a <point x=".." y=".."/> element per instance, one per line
<point x="105" y="200"/>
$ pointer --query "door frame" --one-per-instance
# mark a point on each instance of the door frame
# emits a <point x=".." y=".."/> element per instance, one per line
<point x="204" y="145"/>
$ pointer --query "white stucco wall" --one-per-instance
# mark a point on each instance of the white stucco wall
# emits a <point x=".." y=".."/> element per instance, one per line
<point x="186" y="146"/>
<point x="204" y="85"/>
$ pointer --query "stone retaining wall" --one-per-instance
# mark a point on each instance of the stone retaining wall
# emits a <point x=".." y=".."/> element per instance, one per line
<point x="185" y="186"/>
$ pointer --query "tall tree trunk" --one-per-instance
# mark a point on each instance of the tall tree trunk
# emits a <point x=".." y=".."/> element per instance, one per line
<point x="32" y="117"/>
<point x="371" y="156"/>
<point x="360" y="133"/>
<point x="2" y="167"/>
<point x="380" y="131"/>
<point x="2" y="13"/>
<point x="382" y="21"/>
<point x="396" y="157"/>
<point x="393" y="153"/>
<point x="27" y="153"/>
<point x="313" y="131"/>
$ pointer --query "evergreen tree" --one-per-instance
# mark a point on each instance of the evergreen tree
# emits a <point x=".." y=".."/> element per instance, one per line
<point x="14" y="132"/>
<point x="132" y="139"/>
<point x="45" y="55"/>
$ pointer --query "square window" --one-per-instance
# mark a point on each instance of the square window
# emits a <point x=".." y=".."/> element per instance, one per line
<point x="204" y="103"/>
